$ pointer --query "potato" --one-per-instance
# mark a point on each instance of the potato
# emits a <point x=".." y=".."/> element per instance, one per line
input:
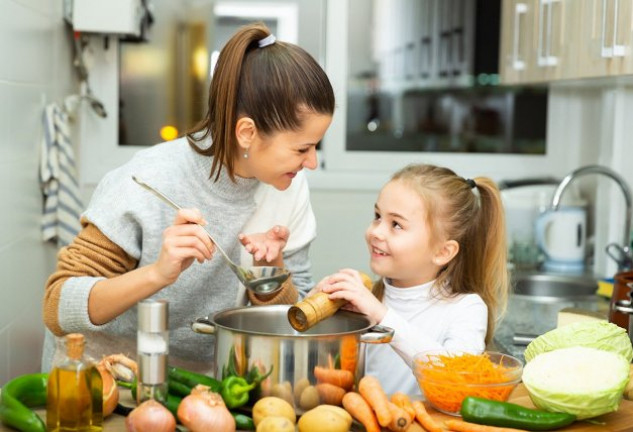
<point x="275" y="424"/>
<point x="415" y="427"/>
<point x="337" y="410"/>
<point x="272" y="406"/>
<point x="284" y="391"/>
<point x="309" y="398"/>
<point x="325" y="418"/>
<point x="300" y="385"/>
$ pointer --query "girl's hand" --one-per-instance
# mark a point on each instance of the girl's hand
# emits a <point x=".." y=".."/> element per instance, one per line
<point x="266" y="247"/>
<point x="348" y="284"/>
<point x="319" y="286"/>
<point x="183" y="242"/>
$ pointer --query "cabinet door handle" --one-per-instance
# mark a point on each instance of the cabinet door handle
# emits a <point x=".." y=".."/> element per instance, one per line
<point x="519" y="9"/>
<point x="612" y="50"/>
<point x="545" y="58"/>
<point x="618" y="50"/>
<point x="426" y="41"/>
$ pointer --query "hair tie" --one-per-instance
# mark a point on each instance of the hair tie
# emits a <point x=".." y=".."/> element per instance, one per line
<point x="471" y="183"/>
<point x="268" y="40"/>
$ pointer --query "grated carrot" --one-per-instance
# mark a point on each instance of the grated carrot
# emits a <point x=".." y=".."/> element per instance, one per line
<point x="447" y="379"/>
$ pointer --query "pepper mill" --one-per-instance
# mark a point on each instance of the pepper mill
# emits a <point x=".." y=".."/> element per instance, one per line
<point x="314" y="309"/>
<point x="623" y="283"/>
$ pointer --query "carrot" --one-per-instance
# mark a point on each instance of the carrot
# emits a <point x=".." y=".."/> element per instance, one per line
<point x="338" y="377"/>
<point x="360" y="409"/>
<point x="425" y="418"/>
<point x="462" y="426"/>
<point x="370" y="388"/>
<point x="349" y="353"/>
<point x="403" y="401"/>
<point x="400" y="419"/>
<point x="330" y="394"/>
<point x="448" y="379"/>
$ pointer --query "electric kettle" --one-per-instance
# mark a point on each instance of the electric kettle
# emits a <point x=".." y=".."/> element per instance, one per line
<point x="561" y="236"/>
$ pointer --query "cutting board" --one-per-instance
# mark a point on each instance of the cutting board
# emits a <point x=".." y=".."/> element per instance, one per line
<point x="619" y="421"/>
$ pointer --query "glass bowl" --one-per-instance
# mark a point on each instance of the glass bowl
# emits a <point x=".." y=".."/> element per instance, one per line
<point x="447" y="377"/>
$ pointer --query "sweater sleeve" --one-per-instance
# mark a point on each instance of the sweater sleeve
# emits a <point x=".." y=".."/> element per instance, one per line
<point x="89" y="258"/>
<point x="467" y="331"/>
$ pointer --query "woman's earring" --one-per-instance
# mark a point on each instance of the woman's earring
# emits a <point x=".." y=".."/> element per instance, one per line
<point x="246" y="155"/>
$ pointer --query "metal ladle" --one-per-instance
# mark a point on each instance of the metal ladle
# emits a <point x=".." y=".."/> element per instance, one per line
<point x="260" y="279"/>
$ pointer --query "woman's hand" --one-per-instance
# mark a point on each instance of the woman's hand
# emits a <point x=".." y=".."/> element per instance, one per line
<point x="183" y="242"/>
<point x="348" y="284"/>
<point x="267" y="247"/>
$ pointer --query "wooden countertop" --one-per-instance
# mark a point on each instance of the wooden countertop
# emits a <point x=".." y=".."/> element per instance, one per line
<point x="619" y="421"/>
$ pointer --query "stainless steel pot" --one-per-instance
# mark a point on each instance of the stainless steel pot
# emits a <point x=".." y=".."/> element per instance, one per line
<point x="262" y="337"/>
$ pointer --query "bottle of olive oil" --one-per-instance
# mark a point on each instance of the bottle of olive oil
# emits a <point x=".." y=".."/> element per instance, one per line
<point x="75" y="390"/>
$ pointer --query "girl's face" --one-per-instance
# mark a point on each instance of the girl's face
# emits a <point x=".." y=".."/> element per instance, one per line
<point x="277" y="158"/>
<point x="399" y="237"/>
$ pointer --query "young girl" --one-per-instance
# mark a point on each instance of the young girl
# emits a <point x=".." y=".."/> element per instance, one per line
<point x="240" y="169"/>
<point x="438" y="242"/>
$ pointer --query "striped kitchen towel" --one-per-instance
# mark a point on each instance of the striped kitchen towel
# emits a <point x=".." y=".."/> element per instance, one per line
<point x="58" y="179"/>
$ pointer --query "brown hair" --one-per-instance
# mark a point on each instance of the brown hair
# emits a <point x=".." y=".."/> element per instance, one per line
<point x="476" y="222"/>
<point x="273" y="85"/>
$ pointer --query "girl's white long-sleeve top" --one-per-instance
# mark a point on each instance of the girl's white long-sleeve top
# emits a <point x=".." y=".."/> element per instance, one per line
<point x="423" y="320"/>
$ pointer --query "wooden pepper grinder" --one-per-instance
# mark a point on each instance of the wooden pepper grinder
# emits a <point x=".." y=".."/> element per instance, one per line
<point x="314" y="309"/>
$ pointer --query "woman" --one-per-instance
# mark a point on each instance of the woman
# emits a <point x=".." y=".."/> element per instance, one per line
<point x="238" y="171"/>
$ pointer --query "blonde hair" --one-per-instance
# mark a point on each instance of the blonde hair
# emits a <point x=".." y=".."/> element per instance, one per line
<point x="274" y="85"/>
<point x="476" y="222"/>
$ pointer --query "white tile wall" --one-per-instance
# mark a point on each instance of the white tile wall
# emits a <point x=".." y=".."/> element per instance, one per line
<point x="35" y="69"/>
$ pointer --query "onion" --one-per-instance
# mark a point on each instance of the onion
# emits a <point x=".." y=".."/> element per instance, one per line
<point x="150" y="416"/>
<point x="204" y="410"/>
<point x="110" y="390"/>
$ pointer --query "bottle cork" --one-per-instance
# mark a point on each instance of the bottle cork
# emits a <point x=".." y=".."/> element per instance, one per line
<point x="75" y="345"/>
<point x="305" y="314"/>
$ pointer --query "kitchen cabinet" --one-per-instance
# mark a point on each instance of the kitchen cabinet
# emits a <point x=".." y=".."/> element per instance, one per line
<point x="607" y="38"/>
<point x="549" y="40"/>
<point x="536" y="40"/>
<point x="424" y="43"/>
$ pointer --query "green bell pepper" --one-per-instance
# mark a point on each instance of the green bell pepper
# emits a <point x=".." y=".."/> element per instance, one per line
<point x="17" y="396"/>
<point x="235" y="391"/>
<point x="505" y="414"/>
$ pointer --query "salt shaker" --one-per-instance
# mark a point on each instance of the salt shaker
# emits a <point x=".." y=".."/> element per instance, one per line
<point x="152" y="350"/>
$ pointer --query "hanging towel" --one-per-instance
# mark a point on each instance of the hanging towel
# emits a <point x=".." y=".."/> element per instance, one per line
<point x="58" y="179"/>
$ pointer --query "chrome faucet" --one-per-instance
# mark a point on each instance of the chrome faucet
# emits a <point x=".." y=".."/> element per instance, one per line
<point x="623" y="254"/>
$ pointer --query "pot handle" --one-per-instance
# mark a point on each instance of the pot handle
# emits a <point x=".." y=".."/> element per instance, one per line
<point x="203" y="325"/>
<point x="377" y="334"/>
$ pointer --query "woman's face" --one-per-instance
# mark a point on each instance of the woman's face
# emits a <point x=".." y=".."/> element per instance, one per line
<point x="399" y="238"/>
<point x="276" y="159"/>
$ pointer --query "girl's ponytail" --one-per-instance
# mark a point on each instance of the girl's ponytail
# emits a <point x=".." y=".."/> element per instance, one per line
<point x="491" y="232"/>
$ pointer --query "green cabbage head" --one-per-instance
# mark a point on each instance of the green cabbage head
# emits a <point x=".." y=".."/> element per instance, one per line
<point x="585" y="382"/>
<point x="593" y="334"/>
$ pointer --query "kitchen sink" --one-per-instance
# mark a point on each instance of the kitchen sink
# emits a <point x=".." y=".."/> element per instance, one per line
<point x="535" y="301"/>
<point x="553" y="287"/>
